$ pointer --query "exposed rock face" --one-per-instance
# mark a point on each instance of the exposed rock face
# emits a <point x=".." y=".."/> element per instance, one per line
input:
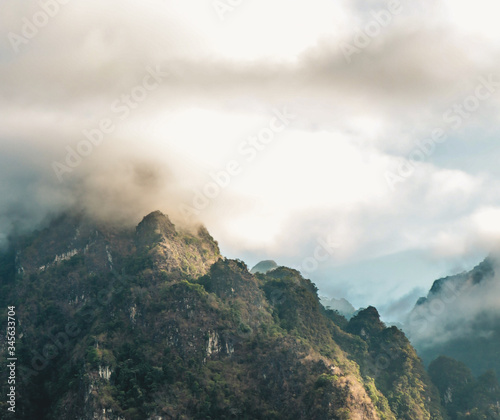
<point x="72" y="236"/>
<point x="154" y="228"/>
<point x="173" y="251"/>
<point x="152" y="323"/>
<point x="106" y="249"/>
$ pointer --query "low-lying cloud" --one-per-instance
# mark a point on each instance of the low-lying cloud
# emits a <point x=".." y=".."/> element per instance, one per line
<point x="85" y="79"/>
<point x="459" y="316"/>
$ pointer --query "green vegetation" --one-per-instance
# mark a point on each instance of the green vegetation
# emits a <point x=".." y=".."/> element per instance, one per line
<point x="173" y="330"/>
<point x="464" y="396"/>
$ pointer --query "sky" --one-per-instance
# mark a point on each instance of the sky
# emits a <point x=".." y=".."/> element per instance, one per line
<point x="353" y="140"/>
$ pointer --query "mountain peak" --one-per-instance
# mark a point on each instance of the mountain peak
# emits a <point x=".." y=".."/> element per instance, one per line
<point x="156" y="215"/>
<point x="342" y="306"/>
<point x="366" y="322"/>
<point x="264" y="267"/>
<point x="154" y="227"/>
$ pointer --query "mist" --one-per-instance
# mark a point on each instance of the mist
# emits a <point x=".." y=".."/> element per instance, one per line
<point x="459" y="313"/>
<point x="276" y="140"/>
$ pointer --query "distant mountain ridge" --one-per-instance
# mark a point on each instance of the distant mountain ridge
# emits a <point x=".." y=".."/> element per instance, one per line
<point x="341" y="305"/>
<point x="264" y="267"/>
<point x="460" y="318"/>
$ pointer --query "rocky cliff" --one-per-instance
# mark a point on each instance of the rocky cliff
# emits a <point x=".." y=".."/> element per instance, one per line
<point x="152" y="323"/>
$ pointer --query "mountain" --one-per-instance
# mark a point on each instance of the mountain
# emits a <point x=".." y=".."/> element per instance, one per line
<point x="460" y="318"/>
<point x="264" y="266"/>
<point x="151" y="322"/>
<point x="342" y="306"/>
<point x="463" y="395"/>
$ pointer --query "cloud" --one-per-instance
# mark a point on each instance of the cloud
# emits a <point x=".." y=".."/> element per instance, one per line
<point x="398" y="309"/>
<point x="324" y="174"/>
<point x="465" y="306"/>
